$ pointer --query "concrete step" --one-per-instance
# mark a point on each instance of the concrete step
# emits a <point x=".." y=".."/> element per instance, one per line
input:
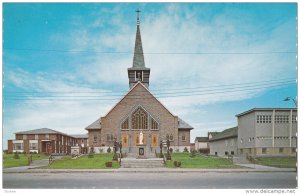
<point x="142" y="163"/>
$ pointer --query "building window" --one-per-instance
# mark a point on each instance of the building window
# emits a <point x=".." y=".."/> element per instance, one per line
<point x="36" y="136"/>
<point x="18" y="146"/>
<point x="294" y="118"/>
<point x="263" y="118"/>
<point x="82" y="141"/>
<point x="154" y="124"/>
<point x="280" y="150"/>
<point x="47" y="137"/>
<point x="293" y="150"/>
<point x="33" y="146"/>
<point x="24" y="137"/>
<point x="109" y="137"/>
<point x="139" y="119"/>
<point x="281" y="118"/>
<point x="226" y="153"/>
<point x="95" y="138"/>
<point x="183" y="137"/>
<point x="264" y="150"/>
<point x="216" y="153"/>
<point x="232" y="152"/>
<point x="125" y="124"/>
<point x="171" y="137"/>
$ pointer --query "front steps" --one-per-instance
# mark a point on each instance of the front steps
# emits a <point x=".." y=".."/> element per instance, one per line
<point x="142" y="163"/>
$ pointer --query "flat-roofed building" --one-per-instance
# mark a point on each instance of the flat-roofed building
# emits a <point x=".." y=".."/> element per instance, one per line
<point x="267" y="132"/>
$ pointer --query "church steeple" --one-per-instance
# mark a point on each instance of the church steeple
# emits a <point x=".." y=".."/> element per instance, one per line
<point x="138" y="58"/>
<point x="138" y="71"/>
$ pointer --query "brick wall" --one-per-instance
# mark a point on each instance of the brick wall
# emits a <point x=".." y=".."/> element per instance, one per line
<point x="168" y="123"/>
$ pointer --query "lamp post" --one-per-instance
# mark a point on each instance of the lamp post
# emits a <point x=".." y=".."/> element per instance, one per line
<point x="294" y="100"/>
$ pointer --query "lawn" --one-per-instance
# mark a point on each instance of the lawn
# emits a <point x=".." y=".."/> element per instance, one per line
<point x="200" y="161"/>
<point x="9" y="161"/>
<point x="84" y="162"/>
<point x="280" y="162"/>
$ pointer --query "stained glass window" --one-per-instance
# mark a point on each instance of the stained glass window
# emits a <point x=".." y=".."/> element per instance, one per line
<point x="139" y="119"/>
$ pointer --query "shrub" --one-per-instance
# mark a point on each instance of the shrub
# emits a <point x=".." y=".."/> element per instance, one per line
<point x="168" y="156"/>
<point x="35" y="152"/>
<point x="185" y="149"/>
<point x="171" y="150"/>
<point x="161" y="155"/>
<point x="193" y="153"/>
<point x="91" y="155"/>
<point x="108" y="150"/>
<point x="115" y="157"/>
<point x="16" y="155"/>
<point x="108" y="164"/>
<point x="177" y="163"/>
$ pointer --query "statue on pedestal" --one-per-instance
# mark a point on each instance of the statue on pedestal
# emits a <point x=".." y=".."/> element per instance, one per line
<point x="141" y="138"/>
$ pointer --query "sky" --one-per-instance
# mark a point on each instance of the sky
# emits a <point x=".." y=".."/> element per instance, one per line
<point x="65" y="65"/>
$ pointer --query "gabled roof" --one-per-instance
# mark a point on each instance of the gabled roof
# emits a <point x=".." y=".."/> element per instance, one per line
<point x="81" y="136"/>
<point x="227" y="133"/>
<point x="265" y="109"/>
<point x="201" y="139"/>
<point x="213" y="133"/>
<point x="133" y="89"/>
<point x="94" y="125"/>
<point x="183" y="125"/>
<point x="40" y="131"/>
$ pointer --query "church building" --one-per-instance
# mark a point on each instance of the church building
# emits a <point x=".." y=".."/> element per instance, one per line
<point x="139" y="118"/>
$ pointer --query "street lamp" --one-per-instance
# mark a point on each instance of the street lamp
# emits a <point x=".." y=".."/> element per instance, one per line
<point x="289" y="98"/>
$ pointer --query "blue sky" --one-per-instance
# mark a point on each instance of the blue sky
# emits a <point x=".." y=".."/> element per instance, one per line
<point x="216" y="59"/>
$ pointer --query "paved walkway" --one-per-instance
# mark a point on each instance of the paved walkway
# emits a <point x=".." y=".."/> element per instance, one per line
<point x="258" y="168"/>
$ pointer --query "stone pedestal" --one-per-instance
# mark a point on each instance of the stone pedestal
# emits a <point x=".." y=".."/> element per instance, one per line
<point x="141" y="151"/>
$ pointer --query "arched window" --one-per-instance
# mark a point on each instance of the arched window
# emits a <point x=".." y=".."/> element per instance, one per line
<point x="139" y="119"/>
<point x="154" y="124"/>
<point x="125" y="124"/>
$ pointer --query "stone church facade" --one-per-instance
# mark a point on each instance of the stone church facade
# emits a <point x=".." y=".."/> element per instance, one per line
<point x="139" y="112"/>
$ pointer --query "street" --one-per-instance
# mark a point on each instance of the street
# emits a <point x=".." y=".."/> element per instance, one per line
<point x="208" y="180"/>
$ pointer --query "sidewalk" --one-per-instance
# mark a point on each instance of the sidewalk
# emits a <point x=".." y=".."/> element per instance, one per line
<point x="256" y="168"/>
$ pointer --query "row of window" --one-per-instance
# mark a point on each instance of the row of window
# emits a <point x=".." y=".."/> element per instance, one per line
<point x="278" y="119"/>
<point x="19" y="146"/>
<point x="267" y="138"/>
<point x="35" y="136"/>
<point x="110" y="137"/>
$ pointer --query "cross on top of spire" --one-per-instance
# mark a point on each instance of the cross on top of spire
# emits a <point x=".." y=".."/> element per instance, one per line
<point x="138" y="16"/>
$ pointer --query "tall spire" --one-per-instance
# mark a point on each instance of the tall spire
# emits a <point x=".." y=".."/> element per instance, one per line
<point x="138" y="58"/>
<point x="138" y="72"/>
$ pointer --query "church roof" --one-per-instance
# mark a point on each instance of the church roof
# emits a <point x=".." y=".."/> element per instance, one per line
<point x="95" y="125"/>
<point x="138" y="58"/>
<point x="183" y="125"/>
<point x="40" y="131"/>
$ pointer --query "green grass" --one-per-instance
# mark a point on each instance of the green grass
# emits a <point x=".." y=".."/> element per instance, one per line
<point x="9" y="161"/>
<point x="84" y="162"/>
<point x="200" y="161"/>
<point x="280" y="162"/>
